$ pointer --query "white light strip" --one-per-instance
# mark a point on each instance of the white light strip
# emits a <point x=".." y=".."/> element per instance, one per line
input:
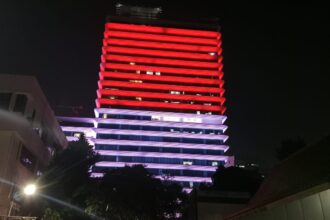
<point x="162" y="155"/>
<point x="222" y="128"/>
<point x="207" y="119"/>
<point x="161" y="144"/>
<point x="160" y="134"/>
<point x="172" y="178"/>
<point x="154" y="144"/>
<point x="186" y="179"/>
<point x="93" y="131"/>
<point x="157" y="166"/>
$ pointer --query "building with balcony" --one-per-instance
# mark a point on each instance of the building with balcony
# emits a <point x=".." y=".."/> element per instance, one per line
<point x="29" y="136"/>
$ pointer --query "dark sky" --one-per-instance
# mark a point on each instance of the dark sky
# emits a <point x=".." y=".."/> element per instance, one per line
<point x="276" y="62"/>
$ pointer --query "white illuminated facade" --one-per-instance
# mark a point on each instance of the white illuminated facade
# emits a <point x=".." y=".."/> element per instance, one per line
<point x="184" y="147"/>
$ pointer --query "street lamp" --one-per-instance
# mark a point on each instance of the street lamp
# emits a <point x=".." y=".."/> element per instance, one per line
<point x="30" y="189"/>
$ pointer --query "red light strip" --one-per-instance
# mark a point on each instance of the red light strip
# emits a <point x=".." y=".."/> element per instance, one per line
<point x="159" y="45"/>
<point x="161" y="61"/>
<point x="156" y="95"/>
<point x="159" y="86"/>
<point x="159" y="105"/>
<point x="170" y="70"/>
<point x="173" y="79"/>
<point x="163" y="38"/>
<point x="158" y="53"/>
<point x="162" y="30"/>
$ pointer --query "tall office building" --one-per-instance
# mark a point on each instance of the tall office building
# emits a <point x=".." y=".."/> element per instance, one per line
<point x="160" y="98"/>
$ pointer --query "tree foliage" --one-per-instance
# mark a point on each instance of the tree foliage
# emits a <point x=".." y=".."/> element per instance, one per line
<point x="123" y="193"/>
<point x="133" y="193"/>
<point x="288" y="147"/>
<point x="236" y="179"/>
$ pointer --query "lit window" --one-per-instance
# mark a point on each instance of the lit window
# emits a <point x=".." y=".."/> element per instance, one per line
<point x="198" y="112"/>
<point x="132" y="63"/>
<point x="171" y="118"/>
<point x="187" y="162"/>
<point x="136" y="81"/>
<point x="138" y="98"/>
<point x="77" y="135"/>
<point x="150" y="73"/>
<point x="198" y="94"/>
<point x="174" y="92"/>
<point x="207" y="104"/>
<point x="193" y="120"/>
<point x="156" y="118"/>
<point x="112" y="97"/>
<point x="138" y="72"/>
<point x="212" y="53"/>
<point x="105" y="116"/>
<point x="158" y="73"/>
<point x="215" y="163"/>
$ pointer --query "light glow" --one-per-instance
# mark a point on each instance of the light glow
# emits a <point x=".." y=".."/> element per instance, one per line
<point x="30" y="189"/>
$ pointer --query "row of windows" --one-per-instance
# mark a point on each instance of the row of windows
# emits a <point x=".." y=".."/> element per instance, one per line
<point x="156" y="128"/>
<point x="157" y="81"/>
<point x="157" y="149"/>
<point x="167" y="172"/>
<point x="160" y="160"/>
<point x="130" y="117"/>
<point x="158" y="139"/>
<point x="167" y="100"/>
<point x="160" y="73"/>
<point x="199" y="93"/>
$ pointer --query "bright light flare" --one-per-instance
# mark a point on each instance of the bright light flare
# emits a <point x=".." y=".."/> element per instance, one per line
<point x="30" y="189"/>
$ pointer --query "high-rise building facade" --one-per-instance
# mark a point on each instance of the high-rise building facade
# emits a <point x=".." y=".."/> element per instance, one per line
<point x="160" y="101"/>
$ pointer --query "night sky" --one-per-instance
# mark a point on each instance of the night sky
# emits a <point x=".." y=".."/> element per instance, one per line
<point x="276" y="63"/>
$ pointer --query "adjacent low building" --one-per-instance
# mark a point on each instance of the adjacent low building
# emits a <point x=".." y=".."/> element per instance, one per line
<point x="29" y="136"/>
<point x="298" y="188"/>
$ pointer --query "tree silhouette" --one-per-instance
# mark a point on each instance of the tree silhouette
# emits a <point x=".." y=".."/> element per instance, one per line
<point x="288" y="147"/>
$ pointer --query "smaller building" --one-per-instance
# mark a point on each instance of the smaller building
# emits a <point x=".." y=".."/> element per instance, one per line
<point x="29" y="136"/>
<point x="297" y="188"/>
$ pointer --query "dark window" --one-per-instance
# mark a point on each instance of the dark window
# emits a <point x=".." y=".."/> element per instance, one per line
<point x="150" y="149"/>
<point x="214" y="152"/>
<point x="32" y="116"/>
<point x="5" y="100"/>
<point x="20" y="103"/>
<point x="192" y="151"/>
<point x="27" y="159"/>
<point x="128" y="148"/>
<point x="171" y="150"/>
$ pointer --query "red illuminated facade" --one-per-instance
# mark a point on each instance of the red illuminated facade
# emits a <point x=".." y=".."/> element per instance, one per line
<point x="161" y="69"/>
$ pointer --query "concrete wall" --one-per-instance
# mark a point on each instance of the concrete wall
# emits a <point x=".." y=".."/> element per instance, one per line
<point x="216" y="211"/>
<point x="315" y="206"/>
